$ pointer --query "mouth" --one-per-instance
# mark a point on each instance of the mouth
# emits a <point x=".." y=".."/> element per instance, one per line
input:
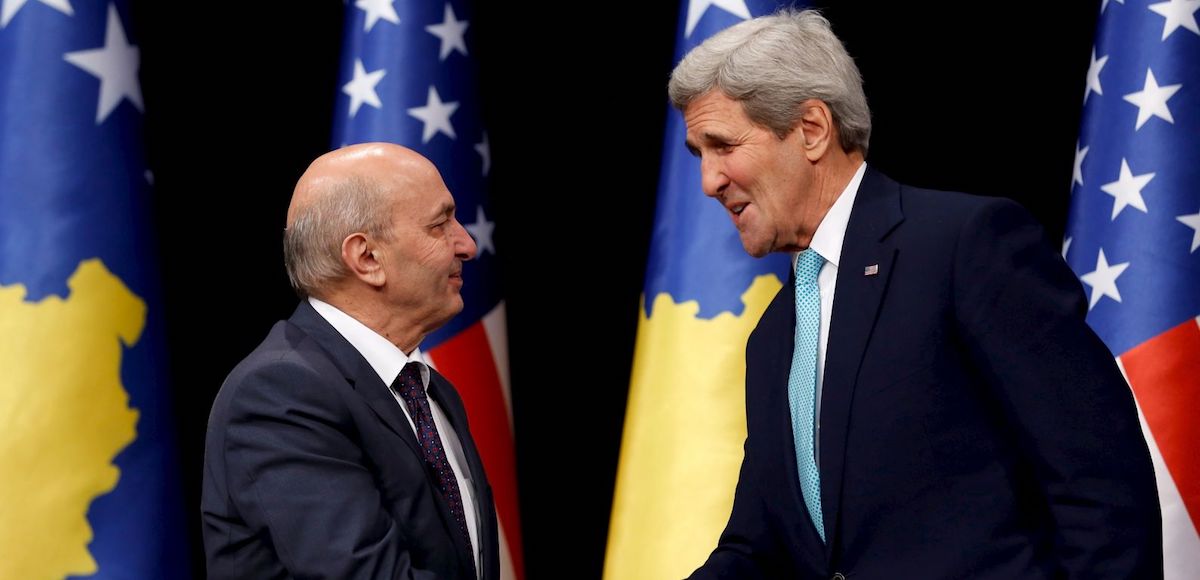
<point x="735" y="211"/>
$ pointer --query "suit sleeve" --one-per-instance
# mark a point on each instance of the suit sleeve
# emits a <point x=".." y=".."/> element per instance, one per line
<point x="1021" y="311"/>
<point x="296" y="472"/>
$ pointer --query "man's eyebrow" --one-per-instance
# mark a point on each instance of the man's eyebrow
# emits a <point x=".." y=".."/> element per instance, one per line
<point x="704" y="137"/>
<point x="443" y="210"/>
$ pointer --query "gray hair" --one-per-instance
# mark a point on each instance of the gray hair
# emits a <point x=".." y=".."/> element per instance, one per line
<point x="771" y="65"/>
<point x="312" y="244"/>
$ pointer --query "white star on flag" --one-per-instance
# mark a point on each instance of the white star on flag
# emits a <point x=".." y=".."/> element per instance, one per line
<point x="1093" y="75"/>
<point x="1077" y="173"/>
<point x="1178" y="13"/>
<point x="697" y="8"/>
<point x="481" y="230"/>
<point x="377" y="10"/>
<point x="436" y="116"/>
<point x="1152" y="100"/>
<point x="1192" y="221"/>
<point x="1127" y="190"/>
<point x="10" y="8"/>
<point x="484" y="150"/>
<point x="1104" y="5"/>
<point x="1103" y="279"/>
<point x="115" y="64"/>
<point x="450" y="31"/>
<point x="1066" y="247"/>
<point x="361" y="88"/>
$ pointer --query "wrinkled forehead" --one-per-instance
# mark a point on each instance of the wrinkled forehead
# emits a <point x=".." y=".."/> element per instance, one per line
<point x="417" y="189"/>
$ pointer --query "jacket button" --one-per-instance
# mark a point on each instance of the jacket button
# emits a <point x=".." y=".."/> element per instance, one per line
<point x="838" y="576"/>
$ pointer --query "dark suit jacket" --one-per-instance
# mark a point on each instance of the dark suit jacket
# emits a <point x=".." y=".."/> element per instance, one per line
<point x="312" y="471"/>
<point x="972" y="425"/>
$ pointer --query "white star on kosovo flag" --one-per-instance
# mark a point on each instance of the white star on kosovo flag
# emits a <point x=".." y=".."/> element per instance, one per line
<point x="1127" y="190"/>
<point x="436" y="116"/>
<point x="1151" y="101"/>
<point x="376" y="10"/>
<point x="450" y="31"/>
<point x="11" y="7"/>
<point x="1178" y="13"/>
<point x="361" y="88"/>
<point x="482" y="231"/>
<point x="1103" y="279"/>
<point x="697" y="8"/>
<point x="115" y="64"/>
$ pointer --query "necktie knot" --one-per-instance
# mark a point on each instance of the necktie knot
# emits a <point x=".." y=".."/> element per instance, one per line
<point x="808" y="266"/>
<point x="408" y="383"/>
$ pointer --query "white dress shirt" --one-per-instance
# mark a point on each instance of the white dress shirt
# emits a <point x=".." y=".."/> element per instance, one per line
<point x="387" y="360"/>
<point x="827" y="241"/>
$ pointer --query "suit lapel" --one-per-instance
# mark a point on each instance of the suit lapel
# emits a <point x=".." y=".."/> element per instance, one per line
<point x="366" y="381"/>
<point x="858" y="296"/>
<point x="358" y="372"/>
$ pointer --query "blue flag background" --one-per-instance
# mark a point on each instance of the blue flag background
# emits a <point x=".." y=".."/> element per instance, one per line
<point x="88" y="470"/>
<point x="695" y="253"/>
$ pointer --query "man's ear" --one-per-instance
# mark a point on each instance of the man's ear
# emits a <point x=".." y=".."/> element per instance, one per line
<point x="361" y="256"/>
<point x="816" y="128"/>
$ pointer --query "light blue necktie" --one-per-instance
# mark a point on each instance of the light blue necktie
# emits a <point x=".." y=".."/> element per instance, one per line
<point x="802" y="381"/>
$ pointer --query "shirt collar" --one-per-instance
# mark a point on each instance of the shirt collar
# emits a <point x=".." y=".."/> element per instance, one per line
<point x="383" y="356"/>
<point x="827" y="240"/>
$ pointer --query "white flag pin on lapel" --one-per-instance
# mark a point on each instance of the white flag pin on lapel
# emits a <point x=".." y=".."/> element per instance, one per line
<point x="871" y="270"/>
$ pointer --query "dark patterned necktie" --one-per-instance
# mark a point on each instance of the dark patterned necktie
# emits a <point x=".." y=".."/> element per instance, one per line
<point x="408" y="385"/>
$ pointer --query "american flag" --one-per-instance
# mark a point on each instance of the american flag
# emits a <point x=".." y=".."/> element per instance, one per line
<point x="88" y="466"/>
<point x="408" y="77"/>
<point x="1133" y="236"/>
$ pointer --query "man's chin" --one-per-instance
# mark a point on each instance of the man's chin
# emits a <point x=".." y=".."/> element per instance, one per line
<point x="755" y="250"/>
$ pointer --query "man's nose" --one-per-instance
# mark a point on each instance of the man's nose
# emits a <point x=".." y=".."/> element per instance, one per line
<point x="464" y="244"/>
<point x="712" y="176"/>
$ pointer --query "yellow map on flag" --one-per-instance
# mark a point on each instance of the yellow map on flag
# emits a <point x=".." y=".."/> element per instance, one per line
<point x="684" y="430"/>
<point x="65" y="416"/>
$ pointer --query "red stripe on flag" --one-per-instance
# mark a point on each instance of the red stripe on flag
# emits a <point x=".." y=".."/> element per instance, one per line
<point x="466" y="359"/>
<point x="1165" y="375"/>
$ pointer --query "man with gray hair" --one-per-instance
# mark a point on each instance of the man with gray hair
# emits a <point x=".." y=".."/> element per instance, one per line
<point x="923" y="397"/>
<point x="333" y="451"/>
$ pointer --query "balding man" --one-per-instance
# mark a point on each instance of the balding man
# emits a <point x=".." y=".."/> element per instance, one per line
<point x="332" y="450"/>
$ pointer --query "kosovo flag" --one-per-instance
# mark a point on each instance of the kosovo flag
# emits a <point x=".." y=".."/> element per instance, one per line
<point x="88" y="468"/>
<point x="686" y="419"/>
<point x="1133" y="237"/>
<point x="409" y="78"/>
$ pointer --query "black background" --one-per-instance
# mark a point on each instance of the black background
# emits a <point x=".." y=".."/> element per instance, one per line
<point x="239" y="98"/>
